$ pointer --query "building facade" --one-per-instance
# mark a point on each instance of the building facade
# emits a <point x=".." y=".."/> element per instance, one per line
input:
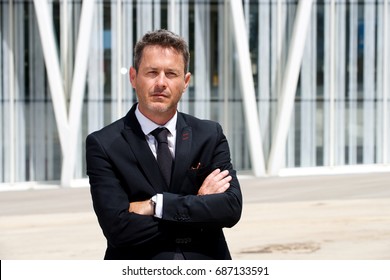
<point x="300" y="87"/>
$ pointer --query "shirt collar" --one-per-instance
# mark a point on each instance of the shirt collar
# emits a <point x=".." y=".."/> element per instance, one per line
<point x="148" y="126"/>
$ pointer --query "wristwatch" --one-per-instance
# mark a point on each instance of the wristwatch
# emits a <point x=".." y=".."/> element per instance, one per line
<point x="153" y="202"/>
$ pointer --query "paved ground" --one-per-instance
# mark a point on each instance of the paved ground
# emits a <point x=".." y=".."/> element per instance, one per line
<point x="321" y="217"/>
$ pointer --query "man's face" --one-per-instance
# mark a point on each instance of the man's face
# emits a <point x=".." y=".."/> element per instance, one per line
<point x="159" y="82"/>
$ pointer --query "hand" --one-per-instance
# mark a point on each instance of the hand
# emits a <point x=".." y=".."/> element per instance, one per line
<point x="216" y="182"/>
<point x="142" y="207"/>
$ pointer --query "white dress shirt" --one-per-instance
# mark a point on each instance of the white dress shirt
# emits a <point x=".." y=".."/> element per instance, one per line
<point x="147" y="127"/>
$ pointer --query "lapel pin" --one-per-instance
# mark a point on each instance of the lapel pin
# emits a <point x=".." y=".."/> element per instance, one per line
<point x="185" y="136"/>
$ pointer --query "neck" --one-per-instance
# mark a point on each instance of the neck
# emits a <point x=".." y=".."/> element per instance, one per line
<point x="160" y="118"/>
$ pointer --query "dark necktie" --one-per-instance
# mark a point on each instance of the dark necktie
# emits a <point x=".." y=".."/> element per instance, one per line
<point x="164" y="157"/>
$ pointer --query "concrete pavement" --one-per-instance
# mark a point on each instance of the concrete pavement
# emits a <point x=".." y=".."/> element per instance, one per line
<point x="314" y="217"/>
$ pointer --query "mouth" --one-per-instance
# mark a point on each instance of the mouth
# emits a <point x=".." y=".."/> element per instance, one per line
<point x="159" y="95"/>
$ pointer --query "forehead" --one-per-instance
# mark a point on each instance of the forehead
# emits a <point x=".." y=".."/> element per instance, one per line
<point x="156" y="55"/>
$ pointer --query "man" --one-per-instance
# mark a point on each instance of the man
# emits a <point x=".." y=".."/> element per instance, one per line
<point x="170" y="210"/>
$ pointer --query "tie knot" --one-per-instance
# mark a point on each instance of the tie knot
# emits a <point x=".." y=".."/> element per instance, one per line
<point x="161" y="134"/>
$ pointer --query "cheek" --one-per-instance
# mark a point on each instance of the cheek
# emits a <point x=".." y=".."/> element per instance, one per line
<point x="143" y="86"/>
<point x="178" y="94"/>
<point x="178" y="87"/>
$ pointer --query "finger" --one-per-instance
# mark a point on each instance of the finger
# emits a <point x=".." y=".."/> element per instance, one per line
<point x="224" y="184"/>
<point x="219" y="186"/>
<point x="220" y="176"/>
<point x="227" y="179"/>
<point x="223" y="173"/>
<point x="211" y="176"/>
<point x="223" y="188"/>
<point x="214" y="181"/>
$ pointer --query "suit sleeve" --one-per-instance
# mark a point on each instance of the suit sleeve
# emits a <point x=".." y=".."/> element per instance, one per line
<point x="111" y="202"/>
<point x="215" y="210"/>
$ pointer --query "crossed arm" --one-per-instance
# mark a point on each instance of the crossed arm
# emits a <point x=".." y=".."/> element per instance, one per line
<point x="216" y="182"/>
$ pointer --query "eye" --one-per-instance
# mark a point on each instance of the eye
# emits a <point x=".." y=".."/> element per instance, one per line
<point x="151" y="73"/>
<point x="171" y="74"/>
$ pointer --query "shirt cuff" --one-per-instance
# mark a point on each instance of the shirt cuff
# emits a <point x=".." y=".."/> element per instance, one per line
<point x="158" y="199"/>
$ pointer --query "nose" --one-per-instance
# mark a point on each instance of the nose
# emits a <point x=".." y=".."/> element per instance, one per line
<point x="161" y="80"/>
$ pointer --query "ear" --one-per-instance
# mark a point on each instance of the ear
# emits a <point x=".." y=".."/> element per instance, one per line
<point x="133" y="76"/>
<point x="187" y="79"/>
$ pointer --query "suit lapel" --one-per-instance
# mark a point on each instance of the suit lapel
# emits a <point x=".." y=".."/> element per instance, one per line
<point x="182" y="153"/>
<point x="138" y="144"/>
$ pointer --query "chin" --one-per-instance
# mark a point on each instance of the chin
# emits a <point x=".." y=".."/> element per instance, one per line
<point x="159" y="107"/>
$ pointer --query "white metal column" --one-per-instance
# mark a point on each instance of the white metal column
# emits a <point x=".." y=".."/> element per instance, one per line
<point x="289" y="85"/>
<point x="78" y="91"/>
<point x="386" y="56"/>
<point x="68" y="128"/>
<point x="119" y="61"/>
<point x="46" y="31"/>
<point x="332" y="88"/>
<point x="369" y="86"/>
<point x="12" y="117"/>
<point x="172" y="15"/>
<point x="248" y="88"/>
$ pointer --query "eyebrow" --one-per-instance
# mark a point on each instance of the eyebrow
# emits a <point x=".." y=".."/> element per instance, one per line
<point x="177" y="70"/>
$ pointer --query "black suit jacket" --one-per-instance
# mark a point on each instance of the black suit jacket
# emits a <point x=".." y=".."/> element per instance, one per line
<point x="122" y="169"/>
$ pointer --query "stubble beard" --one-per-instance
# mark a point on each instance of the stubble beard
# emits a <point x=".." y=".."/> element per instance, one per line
<point x="159" y="107"/>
